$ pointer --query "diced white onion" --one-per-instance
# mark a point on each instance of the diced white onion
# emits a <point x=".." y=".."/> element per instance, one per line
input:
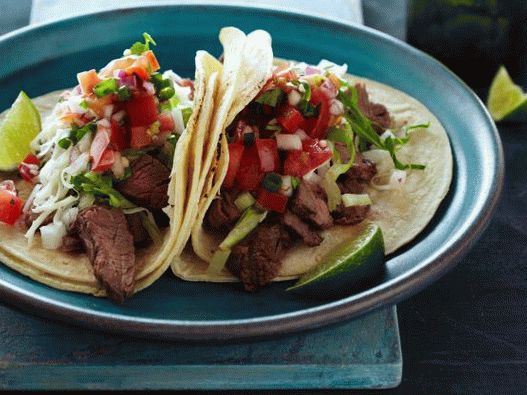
<point x="333" y="68"/>
<point x="52" y="235"/>
<point x="313" y="177"/>
<point x="336" y="107"/>
<point x="288" y="142"/>
<point x="396" y="181"/>
<point x="351" y="199"/>
<point x="108" y="110"/>
<point x="149" y="88"/>
<point x="104" y="123"/>
<point x="119" y="165"/>
<point x="179" y="125"/>
<point x="118" y="116"/>
<point x="302" y="134"/>
<point x="294" y="97"/>
<point x="323" y="143"/>
<point x="287" y="186"/>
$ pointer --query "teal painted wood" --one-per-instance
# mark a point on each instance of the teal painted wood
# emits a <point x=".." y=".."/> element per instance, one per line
<point x="36" y="354"/>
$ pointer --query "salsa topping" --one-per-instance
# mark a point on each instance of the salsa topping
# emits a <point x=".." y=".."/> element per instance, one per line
<point x="295" y="153"/>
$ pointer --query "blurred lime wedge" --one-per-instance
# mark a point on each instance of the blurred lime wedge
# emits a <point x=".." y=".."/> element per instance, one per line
<point x="351" y="263"/>
<point x="506" y="100"/>
<point x="19" y="126"/>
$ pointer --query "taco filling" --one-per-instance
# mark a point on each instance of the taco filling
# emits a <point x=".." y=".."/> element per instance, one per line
<point x="300" y="159"/>
<point x="100" y="168"/>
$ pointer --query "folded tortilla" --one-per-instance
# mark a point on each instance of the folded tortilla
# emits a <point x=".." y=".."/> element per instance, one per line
<point x="401" y="213"/>
<point x="74" y="272"/>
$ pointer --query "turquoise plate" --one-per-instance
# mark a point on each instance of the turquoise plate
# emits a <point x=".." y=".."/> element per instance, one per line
<point x="47" y="57"/>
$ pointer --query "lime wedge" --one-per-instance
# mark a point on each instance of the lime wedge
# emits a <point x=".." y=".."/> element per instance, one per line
<point x="18" y="128"/>
<point x="506" y="99"/>
<point x="351" y="263"/>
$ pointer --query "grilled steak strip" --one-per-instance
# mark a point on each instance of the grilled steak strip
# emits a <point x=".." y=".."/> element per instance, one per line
<point x="148" y="185"/>
<point x="377" y="113"/>
<point x="302" y="229"/>
<point x="257" y="260"/>
<point x="110" y="247"/>
<point x="223" y="213"/>
<point x="309" y="203"/>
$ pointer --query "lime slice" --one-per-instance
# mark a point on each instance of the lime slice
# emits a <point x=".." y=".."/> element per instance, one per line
<point x="506" y="99"/>
<point x="19" y="127"/>
<point x="350" y="264"/>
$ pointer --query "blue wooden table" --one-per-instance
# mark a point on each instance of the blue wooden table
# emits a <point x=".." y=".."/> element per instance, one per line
<point x="37" y="354"/>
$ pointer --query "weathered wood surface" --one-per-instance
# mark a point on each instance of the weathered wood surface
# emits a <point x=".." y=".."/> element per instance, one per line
<point x="37" y="354"/>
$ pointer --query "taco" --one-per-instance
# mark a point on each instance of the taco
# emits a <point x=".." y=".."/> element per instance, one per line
<point x="305" y="156"/>
<point x="103" y="182"/>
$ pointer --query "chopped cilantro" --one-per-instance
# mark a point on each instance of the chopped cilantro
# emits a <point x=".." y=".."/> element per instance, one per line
<point x="83" y="104"/>
<point x="106" y="87"/>
<point x="100" y="186"/>
<point x="307" y="109"/>
<point x="361" y="125"/>
<point x="123" y="93"/>
<point x="64" y="143"/>
<point x="272" y="97"/>
<point x="138" y="47"/>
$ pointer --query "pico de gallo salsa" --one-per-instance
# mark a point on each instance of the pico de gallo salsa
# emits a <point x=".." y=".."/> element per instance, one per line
<point x="101" y="164"/>
<point x="298" y="165"/>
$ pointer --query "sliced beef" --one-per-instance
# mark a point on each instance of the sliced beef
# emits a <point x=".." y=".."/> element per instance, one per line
<point x="358" y="176"/>
<point x="148" y="184"/>
<point x="223" y="213"/>
<point x="71" y="243"/>
<point x="377" y="113"/>
<point x="136" y="228"/>
<point x="110" y="247"/>
<point x="350" y="215"/>
<point x="257" y="260"/>
<point x="301" y="229"/>
<point x="309" y="203"/>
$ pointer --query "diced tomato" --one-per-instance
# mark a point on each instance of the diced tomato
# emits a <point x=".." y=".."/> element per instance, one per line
<point x="317" y="127"/>
<point x="249" y="175"/>
<point x="291" y="119"/>
<point x="106" y="162"/>
<point x="28" y="168"/>
<point x="140" y="137"/>
<point x="139" y="71"/>
<point x="299" y="163"/>
<point x="273" y="201"/>
<point x="235" y="156"/>
<point x="317" y="153"/>
<point x="166" y="122"/>
<point x="142" y="110"/>
<point x="152" y="61"/>
<point x="268" y="155"/>
<point x="98" y="147"/>
<point x="97" y="104"/>
<point x="87" y="80"/>
<point x="118" y="136"/>
<point x="10" y="206"/>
